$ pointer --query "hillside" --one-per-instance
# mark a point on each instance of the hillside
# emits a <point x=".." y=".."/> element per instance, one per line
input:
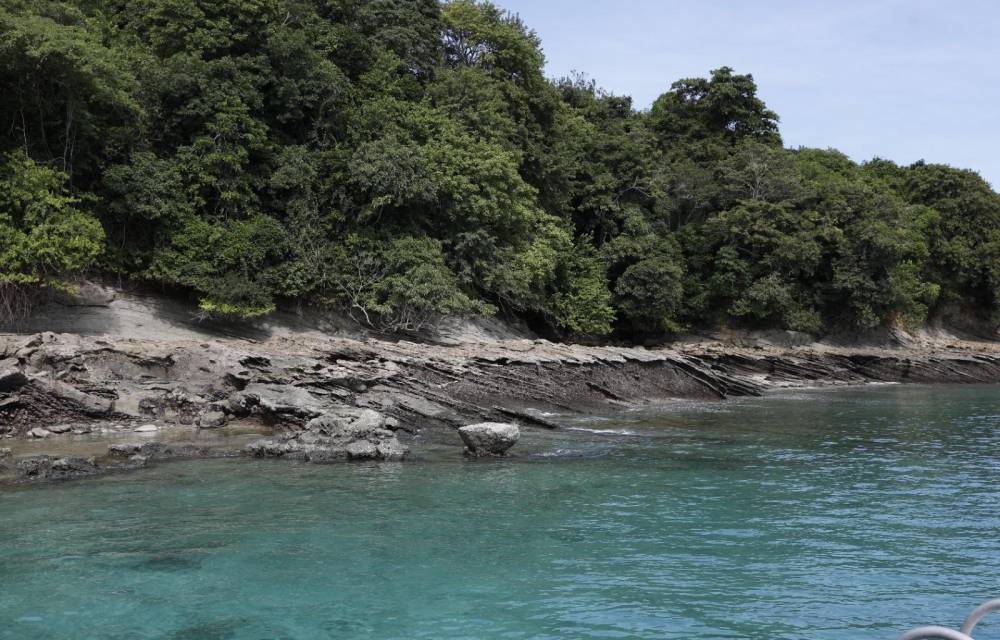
<point x="399" y="161"/>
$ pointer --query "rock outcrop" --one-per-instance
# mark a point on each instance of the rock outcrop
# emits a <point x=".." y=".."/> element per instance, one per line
<point x="340" y="434"/>
<point x="315" y="398"/>
<point x="489" y="438"/>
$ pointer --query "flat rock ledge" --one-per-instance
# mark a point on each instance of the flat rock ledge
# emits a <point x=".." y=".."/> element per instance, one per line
<point x="489" y="439"/>
<point x="337" y="435"/>
<point x="45" y="467"/>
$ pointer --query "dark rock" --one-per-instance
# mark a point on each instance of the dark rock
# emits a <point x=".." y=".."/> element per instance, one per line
<point x="162" y="451"/>
<point x="489" y="438"/>
<point x="48" y="468"/>
<point x="11" y="378"/>
<point x="124" y="449"/>
<point x="44" y="467"/>
<point x="255" y="362"/>
<point x="238" y="379"/>
<point x="129" y="449"/>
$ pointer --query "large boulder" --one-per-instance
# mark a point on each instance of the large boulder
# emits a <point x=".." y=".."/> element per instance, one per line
<point x="489" y="438"/>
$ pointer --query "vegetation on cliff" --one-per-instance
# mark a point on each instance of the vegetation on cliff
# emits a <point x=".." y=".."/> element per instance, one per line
<point x="404" y="158"/>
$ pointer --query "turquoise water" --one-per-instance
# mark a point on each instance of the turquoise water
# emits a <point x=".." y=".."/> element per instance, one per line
<point x="821" y="514"/>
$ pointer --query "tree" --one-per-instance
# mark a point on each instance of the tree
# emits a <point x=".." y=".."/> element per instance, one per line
<point x="480" y="34"/>
<point x="45" y="240"/>
<point x="409" y="28"/>
<point x="765" y="264"/>
<point x="647" y="272"/>
<point x="68" y="99"/>
<point x="231" y="264"/>
<point x="965" y="235"/>
<point x="397" y="285"/>
<point x="724" y="107"/>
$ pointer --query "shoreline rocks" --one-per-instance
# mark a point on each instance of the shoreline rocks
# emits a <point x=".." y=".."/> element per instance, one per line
<point x="342" y="434"/>
<point x="489" y="439"/>
<point x="47" y="467"/>
<point x="312" y="392"/>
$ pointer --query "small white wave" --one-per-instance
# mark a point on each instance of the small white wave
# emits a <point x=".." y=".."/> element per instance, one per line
<point x="617" y="432"/>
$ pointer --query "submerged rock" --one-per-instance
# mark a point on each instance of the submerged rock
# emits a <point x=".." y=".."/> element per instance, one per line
<point x="340" y="434"/>
<point x="129" y="449"/>
<point x="44" y="467"/>
<point x="489" y="438"/>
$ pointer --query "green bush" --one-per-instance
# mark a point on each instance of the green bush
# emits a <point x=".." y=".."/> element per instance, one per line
<point x="44" y="238"/>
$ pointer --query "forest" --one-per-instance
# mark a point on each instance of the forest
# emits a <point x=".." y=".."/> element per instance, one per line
<point x="403" y="160"/>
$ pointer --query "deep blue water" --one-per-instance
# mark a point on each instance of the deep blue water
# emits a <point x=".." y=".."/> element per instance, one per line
<point x="846" y="514"/>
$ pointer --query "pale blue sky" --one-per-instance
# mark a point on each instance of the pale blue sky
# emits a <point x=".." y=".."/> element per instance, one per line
<point x="901" y="79"/>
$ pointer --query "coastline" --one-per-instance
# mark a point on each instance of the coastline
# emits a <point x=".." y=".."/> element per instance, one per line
<point x="76" y="405"/>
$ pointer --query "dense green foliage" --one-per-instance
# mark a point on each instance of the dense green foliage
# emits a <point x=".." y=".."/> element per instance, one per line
<point x="403" y="159"/>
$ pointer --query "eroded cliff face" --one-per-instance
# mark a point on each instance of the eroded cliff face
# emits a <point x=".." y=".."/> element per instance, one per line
<point x="65" y="398"/>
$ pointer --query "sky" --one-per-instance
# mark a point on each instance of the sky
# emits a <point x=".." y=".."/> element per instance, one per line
<point x="899" y="79"/>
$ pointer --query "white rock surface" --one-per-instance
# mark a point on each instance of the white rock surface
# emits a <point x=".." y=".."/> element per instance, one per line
<point x="489" y="438"/>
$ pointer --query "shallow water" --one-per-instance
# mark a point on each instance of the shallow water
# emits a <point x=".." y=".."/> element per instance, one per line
<point x="846" y="514"/>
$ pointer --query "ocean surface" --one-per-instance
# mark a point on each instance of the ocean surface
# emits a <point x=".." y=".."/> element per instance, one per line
<point x="827" y="514"/>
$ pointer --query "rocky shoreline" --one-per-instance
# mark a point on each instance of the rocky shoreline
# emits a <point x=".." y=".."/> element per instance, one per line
<point x="75" y="405"/>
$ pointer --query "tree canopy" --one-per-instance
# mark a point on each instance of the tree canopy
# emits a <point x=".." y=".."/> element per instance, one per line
<point x="406" y="159"/>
